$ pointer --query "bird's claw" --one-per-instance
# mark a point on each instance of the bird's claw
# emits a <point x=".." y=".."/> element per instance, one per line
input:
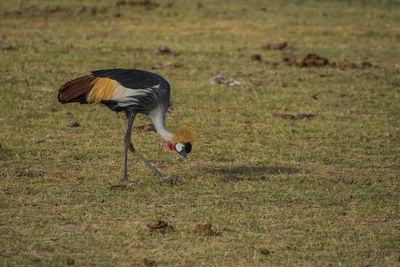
<point x="169" y="180"/>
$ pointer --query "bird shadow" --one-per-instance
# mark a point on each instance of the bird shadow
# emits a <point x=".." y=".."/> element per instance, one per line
<point x="246" y="172"/>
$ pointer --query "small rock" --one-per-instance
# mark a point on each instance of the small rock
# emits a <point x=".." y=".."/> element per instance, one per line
<point x="224" y="81"/>
<point x="70" y="123"/>
<point x="388" y="134"/>
<point x="162" y="49"/>
<point x="275" y="45"/>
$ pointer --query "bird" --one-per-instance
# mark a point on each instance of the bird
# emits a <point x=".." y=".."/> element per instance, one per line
<point x="131" y="91"/>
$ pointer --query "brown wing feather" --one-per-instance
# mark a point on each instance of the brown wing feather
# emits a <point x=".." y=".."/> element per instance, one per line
<point x="75" y="88"/>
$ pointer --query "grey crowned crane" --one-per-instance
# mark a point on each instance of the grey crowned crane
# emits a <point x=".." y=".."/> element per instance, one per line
<point x="132" y="91"/>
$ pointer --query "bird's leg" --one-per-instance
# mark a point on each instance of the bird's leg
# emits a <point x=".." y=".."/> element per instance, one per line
<point x="163" y="177"/>
<point x="155" y="171"/>
<point x="127" y="142"/>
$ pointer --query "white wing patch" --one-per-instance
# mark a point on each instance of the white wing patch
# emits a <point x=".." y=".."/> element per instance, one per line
<point x="127" y="95"/>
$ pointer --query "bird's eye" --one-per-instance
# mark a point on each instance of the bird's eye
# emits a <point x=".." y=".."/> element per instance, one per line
<point x="188" y="147"/>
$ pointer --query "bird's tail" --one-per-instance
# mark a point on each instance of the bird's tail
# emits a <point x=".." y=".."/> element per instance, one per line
<point x="88" y="89"/>
<point x="76" y="90"/>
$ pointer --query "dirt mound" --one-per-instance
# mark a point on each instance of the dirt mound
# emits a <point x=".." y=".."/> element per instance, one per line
<point x="204" y="230"/>
<point x="147" y="262"/>
<point x="311" y="60"/>
<point x="264" y="251"/>
<point x="160" y="227"/>
<point x="297" y="116"/>
<point x="314" y="60"/>
<point x="256" y="57"/>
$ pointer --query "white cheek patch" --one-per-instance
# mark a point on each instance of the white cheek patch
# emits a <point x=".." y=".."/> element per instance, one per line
<point x="178" y="147"/>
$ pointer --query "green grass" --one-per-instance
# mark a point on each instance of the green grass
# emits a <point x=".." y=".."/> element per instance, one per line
<point x="323" y="191"/>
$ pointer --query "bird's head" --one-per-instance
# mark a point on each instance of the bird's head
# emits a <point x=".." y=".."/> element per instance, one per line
<point x="182" y="149"/>
<point x="182" y="141"/>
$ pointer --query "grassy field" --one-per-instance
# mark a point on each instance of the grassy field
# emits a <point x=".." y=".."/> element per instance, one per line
<point x="297" y="165"/>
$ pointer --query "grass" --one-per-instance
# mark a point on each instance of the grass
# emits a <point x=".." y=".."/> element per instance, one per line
<point x="320" y="191"/>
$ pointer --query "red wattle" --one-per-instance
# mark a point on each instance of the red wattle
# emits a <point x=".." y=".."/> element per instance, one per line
<point x="171" y="146"/>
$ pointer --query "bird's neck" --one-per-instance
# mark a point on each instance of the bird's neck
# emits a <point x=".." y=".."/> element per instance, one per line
<point x="158" y="118"/>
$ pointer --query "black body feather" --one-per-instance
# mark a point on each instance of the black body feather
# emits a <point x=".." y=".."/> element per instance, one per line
<point x="137" y="79"/>
<point x="133" y="79"/>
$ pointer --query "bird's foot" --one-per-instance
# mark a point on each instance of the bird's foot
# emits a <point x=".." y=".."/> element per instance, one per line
<point x="168" y="180"/>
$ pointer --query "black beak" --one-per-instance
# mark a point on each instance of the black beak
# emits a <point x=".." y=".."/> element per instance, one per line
<point x="184" y="155"/>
